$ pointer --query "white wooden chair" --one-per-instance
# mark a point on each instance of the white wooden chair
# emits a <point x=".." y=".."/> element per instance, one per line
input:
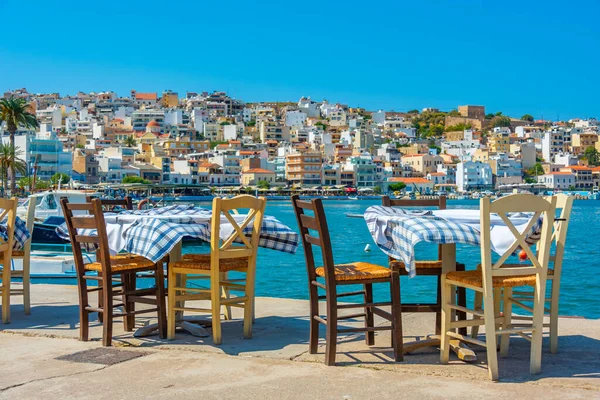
<point x="224" y="257"/>
<point x="9" y="210"/>
<point x="25" y="255"/>
<point x="564" y="203"/>
<point x="498" y="275"/>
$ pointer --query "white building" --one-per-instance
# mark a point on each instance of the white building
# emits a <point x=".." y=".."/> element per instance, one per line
<point x="553" y="142"/>
<point x="295" y="118"/>
<point x="473" y="175"/>
<point x="378" y="117"/>
<point x="557" y="180"/>
<point x="141" y="118"/>
<point x="309" y="107"/>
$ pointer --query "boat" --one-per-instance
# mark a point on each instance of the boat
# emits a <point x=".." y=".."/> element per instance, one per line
<point x="48" y="213"/>
<point x="352" y="197"/>
<point x="595" y="195"/>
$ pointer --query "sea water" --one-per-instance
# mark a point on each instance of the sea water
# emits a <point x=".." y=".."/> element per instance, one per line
<point x="284" y="275"/>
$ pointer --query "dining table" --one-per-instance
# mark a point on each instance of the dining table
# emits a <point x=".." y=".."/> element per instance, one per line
<point x="159" y="232"/>
<point x="396" y="231"/>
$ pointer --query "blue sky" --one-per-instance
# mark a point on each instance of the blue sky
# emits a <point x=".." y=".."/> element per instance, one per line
<point x="519" y="57"/>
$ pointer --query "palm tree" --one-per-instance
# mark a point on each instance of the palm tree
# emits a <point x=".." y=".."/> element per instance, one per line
<point x="16" y="113"/>
<point x="10" y="159"/>
<point x="130" y="141"/>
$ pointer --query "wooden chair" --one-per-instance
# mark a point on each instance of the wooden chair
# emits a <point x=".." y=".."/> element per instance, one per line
<point x="564" y="203"/>
<point x="224" y="257"/>
<point x="111" y="204"/>
<point x="500" y="275"/>
<point x="426" y="267"/>
<point x="107" y="268"/>
<point x="25" y="255"/>
<point x="9" y="211"/>
<point x="356" y="273"/>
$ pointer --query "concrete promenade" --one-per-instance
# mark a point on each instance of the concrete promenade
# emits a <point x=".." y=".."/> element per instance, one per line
<point x="273" y="364"/>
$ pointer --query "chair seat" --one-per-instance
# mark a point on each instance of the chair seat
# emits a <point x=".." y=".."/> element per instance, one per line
<point x="475" y="278"/>
<point x="18" y="254"/>
<point x="357" y="271"/>
<point x="122" y="262"/>
<point x="426" y="264"/>
<point x="202" y="262"/>
<point x="550" y="270"/>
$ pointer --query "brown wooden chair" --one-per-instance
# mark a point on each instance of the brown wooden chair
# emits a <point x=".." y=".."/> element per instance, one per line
<point x="356" y="273"/>
<point x="426" y="267"/>
<point x="111" y="204"/>
<point x="108" y="268"/>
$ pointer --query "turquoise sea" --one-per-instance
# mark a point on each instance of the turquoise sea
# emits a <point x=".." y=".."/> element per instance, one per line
<point x="284" y="275"/>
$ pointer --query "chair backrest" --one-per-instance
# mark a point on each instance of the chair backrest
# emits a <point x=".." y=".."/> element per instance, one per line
<point x="110" y="204"/>
<point x="517" y="203"/>
<point x="30" y="222"/>
<point x="9" y="211"/>
<point x="564" y="204"/>
<point x="440" y="203"/>
<point x="221" y="249"/>
<point x="93" y="220"/>
<point x="314" y="232"/>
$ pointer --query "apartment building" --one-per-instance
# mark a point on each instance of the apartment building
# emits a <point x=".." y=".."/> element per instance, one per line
<point x="474" y="175"/>
<point x="141" y="118"/>
<point x="304" y="168"/>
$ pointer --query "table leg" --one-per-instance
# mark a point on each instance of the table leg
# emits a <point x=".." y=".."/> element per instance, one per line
<point x="6" y="287"/>
<point x="194" y="327"/>
<point x="448" y="254"/>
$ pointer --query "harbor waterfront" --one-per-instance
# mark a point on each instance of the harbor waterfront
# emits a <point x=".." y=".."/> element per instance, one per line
<point x="285" y="277"/>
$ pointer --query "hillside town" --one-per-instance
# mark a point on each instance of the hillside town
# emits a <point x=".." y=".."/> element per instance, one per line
<point x="212" y="140"/>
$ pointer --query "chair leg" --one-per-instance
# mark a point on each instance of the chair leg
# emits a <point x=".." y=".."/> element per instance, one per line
<point x="438" y="314"/>
<point x="172" y="278"/>
<point x="506" y="323"/>
<point x="369" y="320"/>
<point x="331" y="332"/>
<point x="84" y="315"/>
<point x="397" y="336"/>
<point x="27" y="285"/>
<point x="107" y="323"/>
<point x="159" y="277"/>
<point x="478" y="305"/>
<point x="489" y="316"/>
<point x="446" y="321"/>
<point x="538" y="327"/>
<point x="225" y="295"/>
<point x="129" y="318"/>
<point x="6" y="290"/>
<point x="313" y="342"/>
<point x="249" y="304"/>
<point x="462" y="301"/>
<point x="100" y="301"/>
<point x="215" y="294"/>
<point x="554" y="317"/>
<point x="497" y="303"/>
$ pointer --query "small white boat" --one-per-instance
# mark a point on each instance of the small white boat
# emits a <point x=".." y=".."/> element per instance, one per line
<point x="48" y="203"/>
<point x="352" y="197"/>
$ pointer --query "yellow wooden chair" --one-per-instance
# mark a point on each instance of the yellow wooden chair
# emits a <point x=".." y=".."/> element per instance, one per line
<point x="25" y="255"/>
<point x="498" y="275"/>
<point x="9" y="211"/>
<point x="224" y="257"/>
<point x="564" y="203"/>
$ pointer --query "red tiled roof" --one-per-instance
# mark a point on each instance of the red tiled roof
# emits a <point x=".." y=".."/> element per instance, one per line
<point x="145" y="96"/>
<point x="437" y="174"/>
<point x="258" y="171"/>
<point x="409" y="180"/>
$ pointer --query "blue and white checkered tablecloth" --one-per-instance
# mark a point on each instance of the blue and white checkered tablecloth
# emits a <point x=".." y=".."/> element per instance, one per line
<point x="154" y="238"/>
<point x="396" y="231"/>
<point x="21" y="234"/>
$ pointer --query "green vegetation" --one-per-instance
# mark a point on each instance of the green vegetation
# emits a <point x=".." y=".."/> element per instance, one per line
<point x="135" y="179"/>
<point x="592" y="156"/>
<point x="130" y="141"/>
<point x="216" y="143"/>
<point x="396" y="187"/>
<point x="535" y="170"/>
<point x="263" y="184"/>
<point x="453" y="113"/>
<point x="500" y="121"/>
<point x="412" y="111"/>
<point x="60" y="177"/>
<point x="10" y="159"/>
<point x="527" y="117"/>
<point x="322" y="125"/>
<point x="251" y="123"/>
<point x="530" y="180"/>
<point x="16" y="113"/>
<point x="458" y="127"/>
<point x="429" y="124"/>
<point x="377" y="190"/>
<point x="79" y="146"/>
